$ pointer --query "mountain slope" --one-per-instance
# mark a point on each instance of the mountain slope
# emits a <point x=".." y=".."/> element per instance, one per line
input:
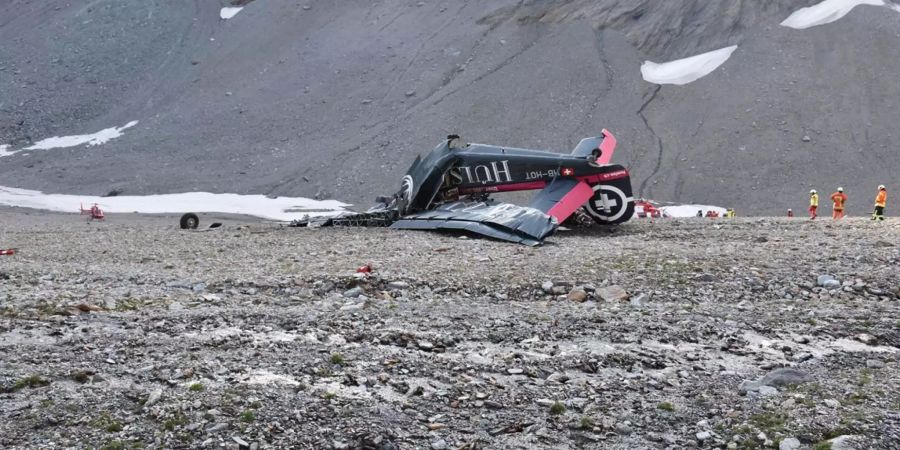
<point x="334" y="100"/>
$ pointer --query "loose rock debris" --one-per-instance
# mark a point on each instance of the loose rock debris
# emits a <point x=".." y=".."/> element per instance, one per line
<point x="671" y="334"/>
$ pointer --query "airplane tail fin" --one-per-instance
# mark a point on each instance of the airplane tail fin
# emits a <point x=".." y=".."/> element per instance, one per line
<point x="600" y="148"/>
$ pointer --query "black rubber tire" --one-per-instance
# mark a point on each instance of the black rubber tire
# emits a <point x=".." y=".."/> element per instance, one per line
<point x="189" y="221"/>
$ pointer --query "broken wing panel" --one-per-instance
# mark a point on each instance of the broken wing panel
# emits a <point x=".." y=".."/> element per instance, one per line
<point x="500" y="221"/>
<point x="562" y="197"/>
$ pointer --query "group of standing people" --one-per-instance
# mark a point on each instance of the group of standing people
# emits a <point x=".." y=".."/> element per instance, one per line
<point x="839" y="200"/>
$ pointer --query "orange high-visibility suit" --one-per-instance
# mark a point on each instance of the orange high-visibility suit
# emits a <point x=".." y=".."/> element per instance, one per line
<point x="880" y="203"/>
<point x="838" y="198"/>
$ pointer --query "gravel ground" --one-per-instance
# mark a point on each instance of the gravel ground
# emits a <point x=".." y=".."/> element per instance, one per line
<point x="671" y="334"/>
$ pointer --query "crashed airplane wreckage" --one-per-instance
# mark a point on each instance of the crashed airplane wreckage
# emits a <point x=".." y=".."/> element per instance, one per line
<point x="449" y="189"/>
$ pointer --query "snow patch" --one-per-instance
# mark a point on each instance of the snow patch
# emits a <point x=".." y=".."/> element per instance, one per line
<point x="281" y="208"/>
<point x="691" y="210"/>
<point x="684" y="71"/>
<point x="826" y="12"/>
<point x="97" y="138"/>
<point x="230" y="11"/>
<point x="342" y="391"/>
<point x="264" y="377"/>
<point x="4" y="151"/>
<point x="855" y="346"/>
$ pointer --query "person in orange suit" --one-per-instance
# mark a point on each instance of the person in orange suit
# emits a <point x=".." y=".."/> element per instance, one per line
<point x="839" y="198"/>
<point x="880" y="203"/>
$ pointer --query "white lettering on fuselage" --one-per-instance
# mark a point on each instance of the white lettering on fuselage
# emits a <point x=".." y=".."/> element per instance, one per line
<point x="534" y="175"/>
<point x="496" y="172"/>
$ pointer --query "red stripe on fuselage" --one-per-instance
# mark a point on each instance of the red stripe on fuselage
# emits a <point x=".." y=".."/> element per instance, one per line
<point x="533" y="185"/>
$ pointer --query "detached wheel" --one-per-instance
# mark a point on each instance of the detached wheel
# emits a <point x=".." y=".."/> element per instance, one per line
<point x="189" y="221"/>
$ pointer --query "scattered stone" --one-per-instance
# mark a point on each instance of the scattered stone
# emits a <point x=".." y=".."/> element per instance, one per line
<point x="612" y="293"/>
<point x="883" y="244"/>
<point x="806" y="138"/>
<point x="425" y="345"/>
<point x="240" y="441"/>
<point x="217" y="427"/>
<point x="154" y="397"/>
<point x="767" y="391"/>
<point x="84" y="307"/>
<point x="515" y="371"/>
<point x="547" y="287"/>
<point x="639" y="300"/>
<point x="874" y="364"/>
<point x="866" y="338"/>
<point x="704" y="435"/>
<point x="785" y="377"/>
<point x="832" y="403"/>
<point x="790" y="443"/>
<point x="782" y="377"/>
<point x="706" y="278"/>
<point x="623" y="428"/>
<point x="398" y="285"/>
<point x="823" y="279"/>
<point x="577" y="295"/>
<point x="492" y="404"/>
<point x="354" y="292"/>
<point x="439" y="444"/>
<point x="845" y="442"/>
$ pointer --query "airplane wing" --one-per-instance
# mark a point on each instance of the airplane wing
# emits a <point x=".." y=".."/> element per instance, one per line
<point x="497" y="220"/>
<point x="562" y="197"/>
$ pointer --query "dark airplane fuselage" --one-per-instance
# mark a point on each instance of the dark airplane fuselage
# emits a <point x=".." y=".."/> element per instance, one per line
<point x="487" y="168"/>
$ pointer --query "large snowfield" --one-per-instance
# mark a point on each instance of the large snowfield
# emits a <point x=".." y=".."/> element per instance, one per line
<point x="280" y="208"/>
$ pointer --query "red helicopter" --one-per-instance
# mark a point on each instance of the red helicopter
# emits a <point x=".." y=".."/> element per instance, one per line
<point x="95" y="212"/>
<point x="645" y="208"/>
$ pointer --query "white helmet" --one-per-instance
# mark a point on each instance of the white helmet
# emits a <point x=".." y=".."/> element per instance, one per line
<point x="840" y="189"/>
<point x="812" y="191"/>
<point x="880" y="187"/>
